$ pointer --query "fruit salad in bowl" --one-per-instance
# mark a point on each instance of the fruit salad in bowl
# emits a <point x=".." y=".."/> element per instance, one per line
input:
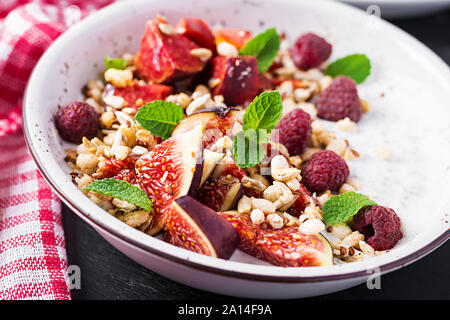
<point x="215" y="139"/>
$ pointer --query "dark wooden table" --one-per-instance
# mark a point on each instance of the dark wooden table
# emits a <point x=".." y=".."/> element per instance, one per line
<point x="108" y="274"/>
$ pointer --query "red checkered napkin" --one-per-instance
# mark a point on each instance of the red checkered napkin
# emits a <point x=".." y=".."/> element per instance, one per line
<point x="33" y="263"/>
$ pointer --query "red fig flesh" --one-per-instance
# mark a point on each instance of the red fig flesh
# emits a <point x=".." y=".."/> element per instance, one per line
<point x="197" y="31"/>
<point x="284" y="247"/>
<point x="172" y="169"/>
<point x="193" y="226"/>
<point x="146" y="92"/>
<point x="165" y="57"/>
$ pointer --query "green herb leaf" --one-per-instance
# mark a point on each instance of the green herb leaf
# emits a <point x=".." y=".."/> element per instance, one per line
<point x="116" y="63"/>
<point x="355" y="66"/>
<point x="160" y="117"/>
<point x="264" y="111"/>
<point x="247" y="147"/>
<point x="342" y="207"/>
<point x="264" y="47"/>
<point x="121" y="190"/>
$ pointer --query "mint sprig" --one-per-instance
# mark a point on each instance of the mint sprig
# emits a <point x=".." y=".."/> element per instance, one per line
<point x="260" y="118"/>
<point x="264" y="47"/>
<point x="342" y="207"/>
<point x="160" y="117"/>
<point x="116" y="63"/>
<point x="121" y="190"/>
<point x="355" y="66"/>
<point x="264" y="112"/>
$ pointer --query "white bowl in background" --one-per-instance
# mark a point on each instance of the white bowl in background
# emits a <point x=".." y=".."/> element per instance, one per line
<point x="409" y="89"/>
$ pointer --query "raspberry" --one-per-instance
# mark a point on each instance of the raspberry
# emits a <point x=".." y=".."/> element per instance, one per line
<point x="325" y="171"/>
<point x="77" y="120"/>
<point x="340" y="100"/>
<point x="310" y="51"/>
<point x="379" y="225"/>
<point x="295" y="131"/>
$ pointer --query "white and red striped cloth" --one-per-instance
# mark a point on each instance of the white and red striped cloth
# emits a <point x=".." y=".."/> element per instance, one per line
<point x="33" y="262"/>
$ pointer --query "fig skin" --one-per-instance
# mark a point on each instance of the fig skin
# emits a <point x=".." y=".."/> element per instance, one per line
<point x="194" y="226"/>
<point x="238" y="79"/>
<point x="164" y="58"/>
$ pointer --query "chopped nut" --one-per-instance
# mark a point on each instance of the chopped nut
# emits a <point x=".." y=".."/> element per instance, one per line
<point x="325" y="137"/>
<point x="346" y="125"/>
<point x="366" y="248"/>
<point x="353" y="239"/>
<point x="346" y="188"/>
<point x="84" y="181"/>
<point x="244" y="205"/>
<point x="289" y="105"/>
<point x="136" y="218"/>
<point x="293" y="184"/>
<point x="87" y="161"/>
<point x="365" y="106"/>
<point x="167" y="29"/>
<point x="253" y="184"/>
<point x="260" y="178"/>
<point x="312" y="226"/>
<point x="324" y="82"/>
<point x="257" y="216"/>
<point x="307" y="154"/>
<point x="286" y="174"/>
<point x="198" y="104"/>
<point x="118" y="78"/>
<point x="97" y="107"/>
<point x="324" y="197"/>
<point x="286" y="89"/>
<point x="123" y="205"/>
<point x="139" y="150"/>
<point x="107" y="119"/>
<point x="308" y="108"/>
<point x="121" y="152"/>
<point x="296" y="161"/>
<point x="201" y="53"/>
<point x="275" y="221"/>
<point x="355" y="183"/>
<point x="318" y="127"/>
<point x="114" y="101"/>
<point x="301" y="94"/>
<point x="145" y="138"/>
<point x="264" y="205"/>
<point x="351" y="154"/>
<point x="283" y="194"/>
<point x="338" y="146"/>
<point x="226" y="49"/>
<point x="341" y="230"/>
<point x="383" y="153"/>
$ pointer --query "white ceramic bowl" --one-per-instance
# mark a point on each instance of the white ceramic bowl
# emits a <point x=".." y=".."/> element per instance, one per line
<point x="412" y="118"/>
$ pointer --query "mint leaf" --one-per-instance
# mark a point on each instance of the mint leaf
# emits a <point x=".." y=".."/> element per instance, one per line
<point x="116" y="63"/>
<point x="247" y="147"/>
<point x="264" y="111"/>
<point x="160" y="117"/>
<point x="342" y="207"/>
<point x="121" y="190"/>
<point x="264" y="47"/>
<point x="355" y="66"/>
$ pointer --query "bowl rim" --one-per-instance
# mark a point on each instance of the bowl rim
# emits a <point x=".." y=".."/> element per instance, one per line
<point x="191" y="258"/>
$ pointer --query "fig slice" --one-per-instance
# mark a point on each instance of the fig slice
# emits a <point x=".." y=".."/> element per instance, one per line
<point x="218" y="121"/>
<point x="285" y="247"/>
<point x="165" y="56"/>
<point x="147" y="92"/>
<point x="237" y="77"/>
<point x="172" y="169"/>
<point x="197" y="31"/>
<point x="237" y="37"/>
<point x="195" y="227"/>
<point x="220" y="196"/>
<point x="210" y="160"/>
